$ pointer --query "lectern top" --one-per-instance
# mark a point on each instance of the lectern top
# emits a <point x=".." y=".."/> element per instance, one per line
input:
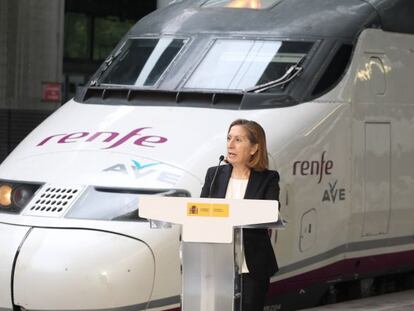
<point x="208" y="220"/>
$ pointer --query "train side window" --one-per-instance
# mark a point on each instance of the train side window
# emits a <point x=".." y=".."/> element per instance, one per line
<point x="334" y="71"/>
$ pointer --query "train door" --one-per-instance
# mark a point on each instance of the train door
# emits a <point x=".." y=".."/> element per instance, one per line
<point x="376" y="178"/>
<point x="371" y="146"/>
<point x="307" y="230"/>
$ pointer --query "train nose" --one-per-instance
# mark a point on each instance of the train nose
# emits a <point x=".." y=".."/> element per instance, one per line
<point x="10" y="239"/>
<point x="77" y="269"/>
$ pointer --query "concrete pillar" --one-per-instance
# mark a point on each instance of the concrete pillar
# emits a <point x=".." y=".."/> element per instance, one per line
<point x="31" y="38"/>
<point x="3" y="51"/>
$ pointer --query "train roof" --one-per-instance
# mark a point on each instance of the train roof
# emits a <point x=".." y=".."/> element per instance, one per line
<point x="331" y="27"/>
<point x="285" y="18"/>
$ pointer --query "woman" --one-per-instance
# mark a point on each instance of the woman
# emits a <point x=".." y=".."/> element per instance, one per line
<point x="247" y="177"/>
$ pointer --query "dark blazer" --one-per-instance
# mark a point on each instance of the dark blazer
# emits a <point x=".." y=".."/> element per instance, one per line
<point x="260" y="258"/>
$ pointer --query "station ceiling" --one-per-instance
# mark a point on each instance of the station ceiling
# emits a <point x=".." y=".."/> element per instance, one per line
<point x="125" y="9"/>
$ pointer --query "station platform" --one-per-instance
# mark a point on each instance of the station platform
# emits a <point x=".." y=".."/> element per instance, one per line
<point x="400" y="301"/>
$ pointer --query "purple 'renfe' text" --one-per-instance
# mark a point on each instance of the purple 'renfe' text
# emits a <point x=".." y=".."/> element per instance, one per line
<point x="114" y="139"/>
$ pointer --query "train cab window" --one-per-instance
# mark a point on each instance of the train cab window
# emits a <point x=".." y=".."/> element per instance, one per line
<point x="141" y="61"/>
<point x="243" y="65"/>
<point x="335" y="70"/>
<point x="241" y="4"/>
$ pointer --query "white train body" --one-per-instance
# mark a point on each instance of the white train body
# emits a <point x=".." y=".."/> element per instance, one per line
<point x="346" y="161"/>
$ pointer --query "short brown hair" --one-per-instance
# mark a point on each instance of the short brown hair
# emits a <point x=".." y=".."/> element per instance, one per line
<point x="256" y="135"/>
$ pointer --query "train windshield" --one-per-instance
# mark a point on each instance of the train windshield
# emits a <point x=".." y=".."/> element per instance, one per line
<point x="140" y="61"/>
<point x="244" y="64"/>
<point x="241" y="4"/>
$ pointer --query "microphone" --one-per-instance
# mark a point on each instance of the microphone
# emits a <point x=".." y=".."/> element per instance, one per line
<point x="215" y="174"/>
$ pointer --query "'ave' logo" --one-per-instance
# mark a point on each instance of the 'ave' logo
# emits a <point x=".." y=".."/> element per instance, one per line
<point x="333" y="194"/>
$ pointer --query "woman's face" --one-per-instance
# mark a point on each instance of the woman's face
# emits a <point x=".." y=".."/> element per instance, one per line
<point x="239" y="148"/>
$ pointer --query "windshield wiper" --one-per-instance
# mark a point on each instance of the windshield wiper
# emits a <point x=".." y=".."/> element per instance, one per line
<point x="290" y="74"/>
<point x="107" y="63"/>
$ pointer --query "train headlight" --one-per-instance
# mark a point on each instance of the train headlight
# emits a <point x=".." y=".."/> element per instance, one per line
<point x="15" y="196"/>
<point x="5" y="195"/>
<point x="21" y="196"/>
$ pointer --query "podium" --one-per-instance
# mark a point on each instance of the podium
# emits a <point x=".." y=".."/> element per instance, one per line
<point x="211" y="248"/>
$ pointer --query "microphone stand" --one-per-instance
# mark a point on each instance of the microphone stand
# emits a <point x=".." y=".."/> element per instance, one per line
<point x="215" y="174"/>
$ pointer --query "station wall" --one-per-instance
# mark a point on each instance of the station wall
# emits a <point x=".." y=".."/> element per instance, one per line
<point x="31" y="57"/>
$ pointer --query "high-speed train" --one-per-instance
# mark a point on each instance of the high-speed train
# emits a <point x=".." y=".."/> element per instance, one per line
<point x="329" y="80"/>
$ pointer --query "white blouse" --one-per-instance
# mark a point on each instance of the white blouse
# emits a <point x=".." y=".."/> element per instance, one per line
<point x="236" y="189"/>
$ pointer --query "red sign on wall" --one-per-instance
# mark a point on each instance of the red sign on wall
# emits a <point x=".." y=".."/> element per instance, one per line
<point x="51" y="92"/>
